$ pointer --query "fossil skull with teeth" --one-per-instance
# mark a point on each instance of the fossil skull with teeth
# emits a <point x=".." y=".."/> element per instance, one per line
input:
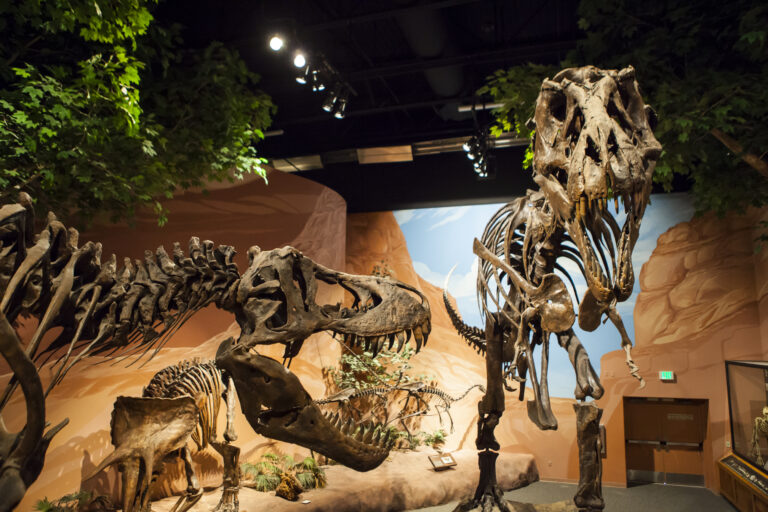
<point x="594" y="142"/>
<point x="275" y="301"/>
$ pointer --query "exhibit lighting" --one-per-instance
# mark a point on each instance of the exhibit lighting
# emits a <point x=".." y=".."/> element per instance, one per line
<point x="339" y="110"/>
<point x="304" y="75"/>
<point x="330" y="100"/>
<point x="276" y="42"/>
<point x="317" y="81"/>
<point x="299" y="60"/>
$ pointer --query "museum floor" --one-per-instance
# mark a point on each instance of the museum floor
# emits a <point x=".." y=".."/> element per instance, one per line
<point x="641" y="498"/>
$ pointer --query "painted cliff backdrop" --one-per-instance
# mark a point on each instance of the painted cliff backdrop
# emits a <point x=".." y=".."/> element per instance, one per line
<point x="439" y="238"/>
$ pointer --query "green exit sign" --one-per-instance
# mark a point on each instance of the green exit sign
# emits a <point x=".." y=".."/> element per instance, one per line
<point x="667" y="375"/>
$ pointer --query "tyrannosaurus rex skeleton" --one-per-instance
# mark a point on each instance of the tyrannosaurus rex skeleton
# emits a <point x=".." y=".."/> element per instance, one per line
<point x="593" y="142"/>
<point x="101" y="308"/>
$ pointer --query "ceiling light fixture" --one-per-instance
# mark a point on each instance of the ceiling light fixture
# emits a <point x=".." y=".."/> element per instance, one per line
<point x="476" y="148"/>
<point x="330" y="100"/>
<point x="276" y="42"/>
<point x="317" y="81"/>
<point x="339" y="110"/>
<point x="304" y="75"/>
<point x="299" y="60"/>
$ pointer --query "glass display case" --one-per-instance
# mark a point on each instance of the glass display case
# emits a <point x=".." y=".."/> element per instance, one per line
<point x="744" y="473"/>
<point x="748" y="407"/>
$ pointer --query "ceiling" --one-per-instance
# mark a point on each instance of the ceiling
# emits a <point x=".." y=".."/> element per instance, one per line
<point x="409" y="64"/>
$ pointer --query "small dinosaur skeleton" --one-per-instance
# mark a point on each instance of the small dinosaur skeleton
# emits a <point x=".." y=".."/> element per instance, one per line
<point x="418" y="390"/>
<point x="593" y="142"/>
<point x="203" y="382"/>
<point x="132" y="310"/>
<point x="759" y="428"/>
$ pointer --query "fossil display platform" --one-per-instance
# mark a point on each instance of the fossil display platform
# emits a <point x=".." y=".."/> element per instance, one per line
<point x="405" y="481"/>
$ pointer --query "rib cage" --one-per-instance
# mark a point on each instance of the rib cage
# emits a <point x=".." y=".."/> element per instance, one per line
<point x="504" y="235"/>
<point x="201" y="381"/>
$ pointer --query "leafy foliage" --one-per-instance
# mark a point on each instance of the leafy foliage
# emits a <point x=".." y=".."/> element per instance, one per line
<point x="265" y="475"/>
<point x="101" y="111"/>
<point x="363" y="371"/>
<point x="68" y="503"/>
<point x="388" y="368"/>
<point x="702" y="68"/>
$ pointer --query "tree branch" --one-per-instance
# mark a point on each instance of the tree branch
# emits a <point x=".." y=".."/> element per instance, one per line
<point x="751" y="159"/>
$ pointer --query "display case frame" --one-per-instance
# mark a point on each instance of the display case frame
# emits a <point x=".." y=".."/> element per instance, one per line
<point x="743" y="481"/>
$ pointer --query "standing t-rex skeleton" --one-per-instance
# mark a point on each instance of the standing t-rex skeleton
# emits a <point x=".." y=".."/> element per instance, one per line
<point x="102" y="309"/>
<point x="593" y="141"/>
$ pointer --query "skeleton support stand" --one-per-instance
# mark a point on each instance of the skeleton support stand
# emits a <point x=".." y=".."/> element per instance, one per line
<point x="229" y="498"/>
<point x="488" y="495"/>
<point x="589" y="496"/>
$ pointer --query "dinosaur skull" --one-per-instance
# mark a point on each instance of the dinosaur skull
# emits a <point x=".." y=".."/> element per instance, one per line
<point x="275" y="301"/>
<point x="594" y="142"/>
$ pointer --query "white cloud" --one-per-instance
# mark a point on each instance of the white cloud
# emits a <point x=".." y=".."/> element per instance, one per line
<point x="461" y="285"/>
<point x="405" y="216"/>
<point x="455" y="215"/>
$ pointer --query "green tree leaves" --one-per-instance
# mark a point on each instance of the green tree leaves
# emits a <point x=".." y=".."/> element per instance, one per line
<point x="100" y="111"/>
<point x="702" y="69"/>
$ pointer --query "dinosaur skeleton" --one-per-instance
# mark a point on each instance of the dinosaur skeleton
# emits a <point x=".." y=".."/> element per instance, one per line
<point x="418" y="390"/>
<point x="759" y="428"/>
<point x="133" y="310"/>
<point x="593" y="142"/>
<point x="203" y="382"/>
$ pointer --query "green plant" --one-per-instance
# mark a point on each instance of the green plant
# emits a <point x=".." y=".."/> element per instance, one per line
<point x="265" y="475"/>
<point x="363" y="371"/>
<point x="102" y="111"/>
<point x="436" y="439"/>
<point x="68" y="503"/>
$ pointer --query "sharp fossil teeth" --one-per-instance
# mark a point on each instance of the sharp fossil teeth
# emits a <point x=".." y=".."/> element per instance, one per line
<point x="376" y="345"/>
<point x="616" y="203"/>
<point x="367" y="344"/>
<point x="368" y="435"/>
<point x="359" y="433"/>
<point x="385" y="440"/>
<point x="349" y="426"/>
<point x="426" y="327"/>
<point x="418" y="337"/>
<point x="391" y="338"/>
<point x="400" y="340"/>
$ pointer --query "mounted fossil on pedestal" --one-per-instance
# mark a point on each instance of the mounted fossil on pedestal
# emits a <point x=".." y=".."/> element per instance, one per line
<point x="593" y="143"/>
<point x="102" y="309"/>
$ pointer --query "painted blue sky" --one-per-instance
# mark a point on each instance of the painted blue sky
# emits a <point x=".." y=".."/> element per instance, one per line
<point x="439" y="238"/>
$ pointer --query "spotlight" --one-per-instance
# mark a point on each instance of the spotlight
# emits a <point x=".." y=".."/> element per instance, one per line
<point x="317" y="82"/>
<point x="466" y="147"/>
<point x="276" y="43"/>
<point x="299" y="60"/>
<point x="341" y="106"/>
<point x="304" y="75"/>
<point x="330" y="100"/>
